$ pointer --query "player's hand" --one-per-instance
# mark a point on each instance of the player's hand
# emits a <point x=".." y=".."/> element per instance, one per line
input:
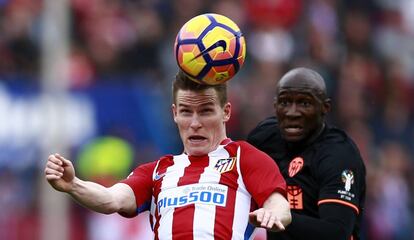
<point x="59" y="172"/>
<point x="266" y="218"/>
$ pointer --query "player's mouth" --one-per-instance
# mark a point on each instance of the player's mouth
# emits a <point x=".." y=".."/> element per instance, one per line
<point x="293" y="130"/>
<point x="197" y="139"/>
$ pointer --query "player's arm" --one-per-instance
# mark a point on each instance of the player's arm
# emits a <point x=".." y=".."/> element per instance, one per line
<point x="60" y="174"/>
<point x="274" y="215"/>
<point x="267" y="187"/>
<point x="336" y="222"/>
<point x="118" y="198"/>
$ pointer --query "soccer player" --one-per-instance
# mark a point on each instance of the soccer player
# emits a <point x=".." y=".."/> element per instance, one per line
<point x="322" y="166"/>
<point x="210" y="191"/>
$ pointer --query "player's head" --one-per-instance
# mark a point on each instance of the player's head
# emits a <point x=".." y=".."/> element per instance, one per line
<point x="184" y="83"/>
<point x="200" y="112"/>
<point x="301" y="104"/>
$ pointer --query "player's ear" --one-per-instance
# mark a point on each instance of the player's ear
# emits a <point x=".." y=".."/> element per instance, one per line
<point x="227" y="111"/>
<point x="174" y="111"/>
<point x="275" y="103"/>
<point x="326" y="106"/>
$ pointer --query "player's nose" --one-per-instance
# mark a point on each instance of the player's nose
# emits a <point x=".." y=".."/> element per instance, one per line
<point x="195" y="122"/>
<point x="292" y="110"/>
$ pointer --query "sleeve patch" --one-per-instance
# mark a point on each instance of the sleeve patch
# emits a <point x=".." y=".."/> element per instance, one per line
<point x="347" y="177"/>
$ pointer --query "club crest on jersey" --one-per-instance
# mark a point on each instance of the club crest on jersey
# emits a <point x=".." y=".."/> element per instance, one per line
<point x="225" y="164"/>
<point x="295" y="166"/>
<point x="347" y="177"/>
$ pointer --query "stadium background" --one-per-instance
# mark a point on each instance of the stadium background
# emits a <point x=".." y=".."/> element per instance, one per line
<point x="91" y="79"/>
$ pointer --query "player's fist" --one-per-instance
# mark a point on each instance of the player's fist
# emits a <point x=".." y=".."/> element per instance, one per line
<point x="60" y="173"/>
<point x="266" y="218"/>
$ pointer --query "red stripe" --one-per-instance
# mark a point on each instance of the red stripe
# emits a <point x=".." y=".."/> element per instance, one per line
<point x="184" y="223"/>
<point x="225" y="215"/>
<point x="340" y="202"/>
<point x="163" y="164"/>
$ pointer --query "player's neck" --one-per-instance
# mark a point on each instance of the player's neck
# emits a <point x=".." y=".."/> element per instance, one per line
<point x="315" y="135"/>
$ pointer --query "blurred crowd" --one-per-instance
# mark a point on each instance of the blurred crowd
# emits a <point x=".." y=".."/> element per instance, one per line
<point x="363" y="49"/>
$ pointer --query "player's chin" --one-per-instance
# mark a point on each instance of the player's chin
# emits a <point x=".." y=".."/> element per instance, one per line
<point x="290" y="137"/>
<point x="197" y="151"/>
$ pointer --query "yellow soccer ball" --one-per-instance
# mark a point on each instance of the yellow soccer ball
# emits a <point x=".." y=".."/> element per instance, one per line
<point x="210" y="49"/>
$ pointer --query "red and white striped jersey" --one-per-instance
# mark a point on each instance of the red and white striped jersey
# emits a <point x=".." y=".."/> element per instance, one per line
<point x="206" y="197"/>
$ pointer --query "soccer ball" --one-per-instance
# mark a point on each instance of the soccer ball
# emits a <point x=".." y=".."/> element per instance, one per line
<point x="210" y="49"/>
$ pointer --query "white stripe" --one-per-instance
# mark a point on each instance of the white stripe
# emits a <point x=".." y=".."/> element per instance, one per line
<point x="242" y="205"/>
<point x="153" y="203"/>
<point x="205" y="215"/>
<point x="170" y="180"/>
<point x="152" y="212"/>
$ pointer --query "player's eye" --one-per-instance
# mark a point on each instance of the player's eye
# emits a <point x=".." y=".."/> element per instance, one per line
<point x="206" y="111"/>
<point x="305" y="103"/>
<point x="185" y="111"/>
<point x="282" y="102"/>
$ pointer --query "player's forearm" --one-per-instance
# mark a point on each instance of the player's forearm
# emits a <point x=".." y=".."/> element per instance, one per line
<point x="93" y="196"/>
<point x="280" y="205"/>
<point x="336" y="223"/>
<point x="304" y="227"/>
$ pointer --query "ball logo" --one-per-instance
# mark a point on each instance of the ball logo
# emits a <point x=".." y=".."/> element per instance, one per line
<point x="295" y="166"/>
<point x="219" y="43"/>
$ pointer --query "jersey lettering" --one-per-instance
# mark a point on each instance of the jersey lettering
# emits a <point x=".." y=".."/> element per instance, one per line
<point x="210" y="194"/>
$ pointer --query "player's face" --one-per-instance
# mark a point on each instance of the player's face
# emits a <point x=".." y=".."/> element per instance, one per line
<point x="200" y="120"/>
<point x="300" y="114"/>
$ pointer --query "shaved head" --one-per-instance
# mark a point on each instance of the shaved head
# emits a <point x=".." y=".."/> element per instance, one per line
<point x="301" y="104"/>
<point x="303" y="80"/>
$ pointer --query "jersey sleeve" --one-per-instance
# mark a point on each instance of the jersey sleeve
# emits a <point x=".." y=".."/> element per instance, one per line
<point x="140" y="181"/>
<point x="260" y="174"/>
<point x="341" y="175"/>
